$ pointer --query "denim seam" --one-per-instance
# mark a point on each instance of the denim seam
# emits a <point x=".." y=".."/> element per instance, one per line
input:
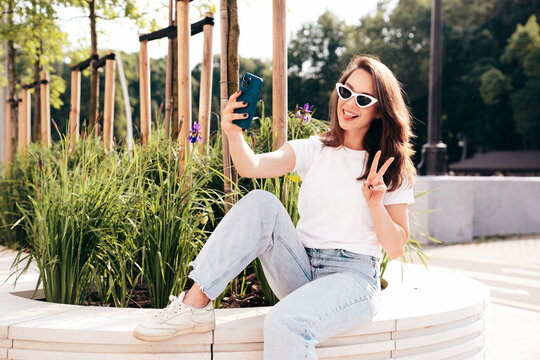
<point x="231" y="270"/>
<point x="304" y="333"/>
<point x="337" y="309"/>
<point x="358" y="257"/>
<point x="286" y="246"/>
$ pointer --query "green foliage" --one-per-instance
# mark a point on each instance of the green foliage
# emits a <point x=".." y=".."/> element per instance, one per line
<point x="525" y="113"/>
<point x="18" y="185"/>
<point x="99" y="223"/>
<point x="462" y="15"/>
<point x="493" y="85"/>
<point x="172" y="221"/>
<point x="37" y="38"/>
<point x="206" y="6"/>
<point x="523" y="53"/>
<point x="67" y="221"/>
<point x="524" y="45"/>
<point x="470" y="52"/>
<point x="40" y="44"/>
<point x="15" y="188"/>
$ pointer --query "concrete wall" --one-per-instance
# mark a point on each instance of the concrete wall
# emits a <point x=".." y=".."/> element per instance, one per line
<point x="471" y="206"/>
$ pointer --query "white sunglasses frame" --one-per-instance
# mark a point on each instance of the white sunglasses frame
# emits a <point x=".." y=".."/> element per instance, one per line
<point x="355" y="94"/>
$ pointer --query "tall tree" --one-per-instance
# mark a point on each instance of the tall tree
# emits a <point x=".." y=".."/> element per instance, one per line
<point x="474" y="36"/>
<point x="523" y="51"/>
<point x="36" y="43"/>
<point x="11" y="72"/>
<point x="41" y="52"/>
<point x="473" y="48"/>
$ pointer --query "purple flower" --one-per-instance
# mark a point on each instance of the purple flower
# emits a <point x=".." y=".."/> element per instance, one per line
<point x="307" y="108"/>
<point x="195" y="133"/>
<point x="297" y="113"/>
<point x="304" y="113"/>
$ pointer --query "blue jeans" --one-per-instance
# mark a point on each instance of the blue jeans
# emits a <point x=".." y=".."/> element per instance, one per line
<point x="322" y="292"/>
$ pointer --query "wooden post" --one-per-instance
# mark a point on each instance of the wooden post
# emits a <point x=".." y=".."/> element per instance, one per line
<point x="24" y="128"/>
<point x="9" y="143"/>
<point x="75" y="108"/>
<point x="144" y="89"/>
<point x="205" y="98"/>
<point x="224" y="98"/>
<point x="169" y="76"/>
<point x="108" y="110"/>
<point x="45" y="110"/>
<point x="184" y="80"/>
<point x="173" y="126"/>
<point x="233" y="68"/>
<point x="279" y="73"/>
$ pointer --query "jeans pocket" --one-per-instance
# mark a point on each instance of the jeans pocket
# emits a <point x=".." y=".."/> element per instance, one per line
<point x="350" y="255"/>
<point x="356" y="256"/>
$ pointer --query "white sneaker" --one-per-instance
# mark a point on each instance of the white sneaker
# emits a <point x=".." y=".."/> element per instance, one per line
<point x="176" y="319"/>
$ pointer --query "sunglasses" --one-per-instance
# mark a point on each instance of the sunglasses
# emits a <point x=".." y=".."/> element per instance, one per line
<point x="362" y="100"/>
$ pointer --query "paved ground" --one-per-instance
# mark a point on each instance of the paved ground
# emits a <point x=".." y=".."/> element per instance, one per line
<point x="510" y="267"/>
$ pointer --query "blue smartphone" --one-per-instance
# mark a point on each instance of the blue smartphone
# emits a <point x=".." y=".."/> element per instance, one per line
<point x="251" y="86"/>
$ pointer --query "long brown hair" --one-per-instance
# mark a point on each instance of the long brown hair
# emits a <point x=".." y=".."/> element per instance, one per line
<point x="390" y="133"/>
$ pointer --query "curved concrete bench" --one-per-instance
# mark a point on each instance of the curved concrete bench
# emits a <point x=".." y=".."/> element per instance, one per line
<point x="433" y="314"/>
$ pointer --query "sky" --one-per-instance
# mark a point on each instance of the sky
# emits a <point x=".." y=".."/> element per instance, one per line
<point x="255" y="17"/>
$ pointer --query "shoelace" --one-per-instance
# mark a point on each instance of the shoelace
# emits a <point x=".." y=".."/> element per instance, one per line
<point x="173" y="308"/>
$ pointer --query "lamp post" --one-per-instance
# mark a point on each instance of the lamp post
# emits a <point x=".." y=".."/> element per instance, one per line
<point x="434" y="155"/>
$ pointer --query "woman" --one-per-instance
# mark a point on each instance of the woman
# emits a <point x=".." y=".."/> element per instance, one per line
<point x="325" y="271"/>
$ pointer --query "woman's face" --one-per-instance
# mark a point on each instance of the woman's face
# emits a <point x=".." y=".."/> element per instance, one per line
<point x="355" y="121"/>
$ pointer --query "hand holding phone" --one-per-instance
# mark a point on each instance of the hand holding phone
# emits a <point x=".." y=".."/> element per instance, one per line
<point x="251" y="86"/>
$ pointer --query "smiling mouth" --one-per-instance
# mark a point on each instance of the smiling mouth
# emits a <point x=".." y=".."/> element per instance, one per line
<point x="348" y="115"/>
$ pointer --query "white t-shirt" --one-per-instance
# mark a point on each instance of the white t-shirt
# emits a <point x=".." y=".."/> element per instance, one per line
<point x="333" y="211"/>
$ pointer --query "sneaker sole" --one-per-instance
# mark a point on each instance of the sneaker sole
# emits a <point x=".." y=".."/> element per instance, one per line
<point x="199" y="328"/>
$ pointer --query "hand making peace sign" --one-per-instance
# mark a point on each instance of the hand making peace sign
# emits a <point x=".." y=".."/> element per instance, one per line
<point x="374" y="187"/>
